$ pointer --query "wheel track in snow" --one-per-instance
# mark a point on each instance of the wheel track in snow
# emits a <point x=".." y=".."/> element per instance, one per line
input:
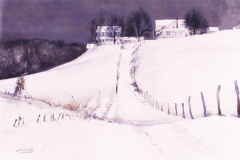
<point x="104" y="116"/>
<point x="93" y="109"/>
<point x="111" y="106"/>
<point x="185" y="136"/>
<point x="132" y="110"/>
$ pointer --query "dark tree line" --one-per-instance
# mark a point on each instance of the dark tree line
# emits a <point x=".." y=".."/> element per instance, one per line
<point x="36" y="55"/>
<point x="138" y="24"/>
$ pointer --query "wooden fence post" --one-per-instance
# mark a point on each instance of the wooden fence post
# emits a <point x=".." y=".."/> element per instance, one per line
<point x="162" y="107"/>
<point x="238" y="101"/>
<point x="204" y="106"/>
<point x="168" y="109"/>
<point x="183" y="110"/>
<point x="189" y="104"/>
<point x="176" y="108"/>
<point x="218" y="100"/>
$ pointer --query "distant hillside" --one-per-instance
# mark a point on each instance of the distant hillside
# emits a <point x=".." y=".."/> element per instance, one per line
<point x="68" y="19"/>
<point x="36" y="55"/>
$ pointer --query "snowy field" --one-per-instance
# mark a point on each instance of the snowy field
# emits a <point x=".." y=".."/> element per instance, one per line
<point x="82" y="78"/>
<point x="169" y="69"/>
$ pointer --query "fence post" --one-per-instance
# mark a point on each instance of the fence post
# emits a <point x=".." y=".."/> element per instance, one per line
<point x="238" y="101"/>
<point x="162" y="107"/>
<point x="189" y="104"/>
<point x="176" y="108"/>
<point x="204" y="105"/>
<point x="218" y="100"/>
<point x="168" y="109"/>
<point x="183" y="110"/>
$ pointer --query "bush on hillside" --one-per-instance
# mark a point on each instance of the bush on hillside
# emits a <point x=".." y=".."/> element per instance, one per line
<point x="20" y="85"/>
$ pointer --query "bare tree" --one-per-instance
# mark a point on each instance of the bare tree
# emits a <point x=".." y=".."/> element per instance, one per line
<point x="20" y="85"/>
<point x="115" y="27"/>
<point x="99" y="21"/>
<point x="139" y="23"/>
<point x="195" y="21"/>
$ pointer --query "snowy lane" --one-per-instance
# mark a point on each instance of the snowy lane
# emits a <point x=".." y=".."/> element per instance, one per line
<point x="131" y="110"/>
<point x="67" y="138"/>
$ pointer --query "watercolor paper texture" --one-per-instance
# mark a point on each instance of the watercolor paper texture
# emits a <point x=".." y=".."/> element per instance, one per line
<point x="149" y="90"/>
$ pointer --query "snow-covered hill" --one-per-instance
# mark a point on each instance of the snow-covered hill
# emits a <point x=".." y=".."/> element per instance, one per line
<point x="82" y="78"/>
<point x="169" y="69"/>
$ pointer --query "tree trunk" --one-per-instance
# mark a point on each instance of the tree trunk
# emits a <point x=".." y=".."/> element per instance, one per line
<point x="189" y="104"/>
<point x="218" y="100"/>
<point x="204" y="106"/>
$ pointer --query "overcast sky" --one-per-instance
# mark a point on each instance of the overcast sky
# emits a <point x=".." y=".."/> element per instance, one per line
<point x="68" y="19"/>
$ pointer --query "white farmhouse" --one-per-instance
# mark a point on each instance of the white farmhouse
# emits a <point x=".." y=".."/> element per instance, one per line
<point x="108" y="34"/>
<point x="171" y="28"/>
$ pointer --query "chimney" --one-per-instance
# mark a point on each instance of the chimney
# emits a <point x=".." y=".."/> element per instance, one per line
<point x="177" y="23"/>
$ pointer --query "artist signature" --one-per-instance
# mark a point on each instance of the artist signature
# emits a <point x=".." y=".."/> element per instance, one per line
<point x="25" y="150"/>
